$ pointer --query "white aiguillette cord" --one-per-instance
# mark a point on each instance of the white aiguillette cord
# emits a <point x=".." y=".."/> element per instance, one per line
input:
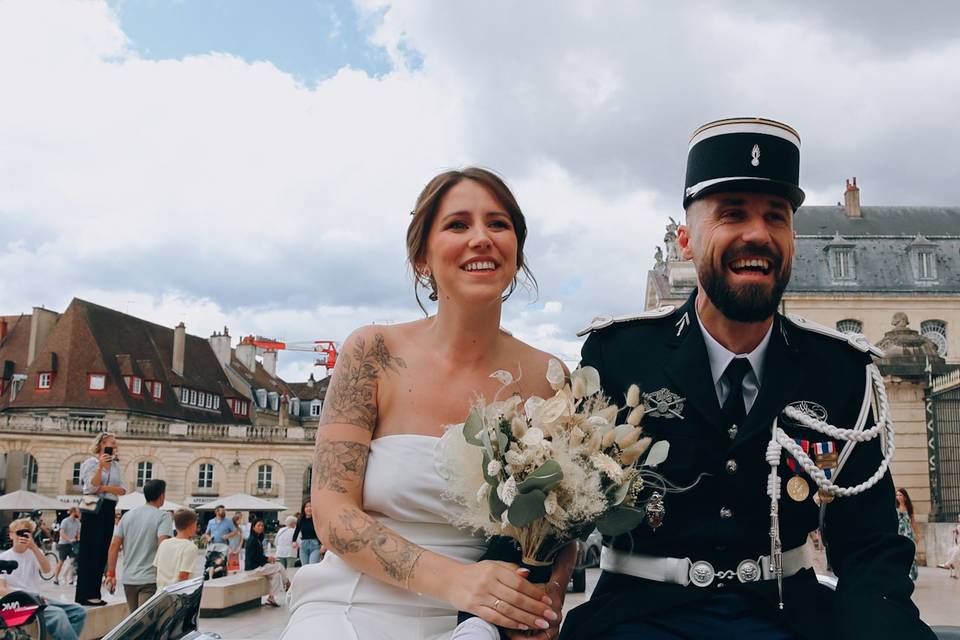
<point x="780" y="440"/>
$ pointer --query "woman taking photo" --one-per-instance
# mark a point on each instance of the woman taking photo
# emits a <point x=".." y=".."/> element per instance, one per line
<point x="396" y="568"/>
<point x="102" y="477"/>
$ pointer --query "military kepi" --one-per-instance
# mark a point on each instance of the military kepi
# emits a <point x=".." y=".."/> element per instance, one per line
<point x="744" y="154"/>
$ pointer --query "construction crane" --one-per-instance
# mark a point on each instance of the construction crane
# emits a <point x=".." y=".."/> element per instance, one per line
<point x="326" y="349"/>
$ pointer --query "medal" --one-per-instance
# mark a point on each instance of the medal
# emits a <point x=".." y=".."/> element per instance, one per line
<point x="797" y="487"/>
<point x="825" y="498"/>
<point x="826" y="457"/>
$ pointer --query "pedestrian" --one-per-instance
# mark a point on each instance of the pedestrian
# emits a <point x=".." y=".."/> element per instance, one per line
<point x="63" y="620"/>
<point x="68" y="541"/>
<point x="777" y="426"/>
<point x="140" y="532"/>
<point x="235" y="544"/>
<point x="102" y="480"/>
<point x="907" y="526"/>
<point x="284" y="542"/>
<point x="257" y="562"/>
<point x="220" y="530"/>
<point x="176" y="558"/>
<point x="309" y="545"/>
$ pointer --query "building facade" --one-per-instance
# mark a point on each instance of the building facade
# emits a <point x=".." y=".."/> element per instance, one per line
<point x="209" y="419"/>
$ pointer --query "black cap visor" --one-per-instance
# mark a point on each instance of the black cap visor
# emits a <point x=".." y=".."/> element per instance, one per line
<point x="794" y="195"/>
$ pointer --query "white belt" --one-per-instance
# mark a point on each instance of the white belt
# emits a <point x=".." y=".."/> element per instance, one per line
<point x="700" y="573"/>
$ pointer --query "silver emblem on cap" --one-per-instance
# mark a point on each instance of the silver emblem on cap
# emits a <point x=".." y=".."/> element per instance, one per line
<point x="755" y="155"/>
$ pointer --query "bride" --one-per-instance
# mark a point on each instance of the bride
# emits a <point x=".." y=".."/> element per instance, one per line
<point x="397" y="569"/>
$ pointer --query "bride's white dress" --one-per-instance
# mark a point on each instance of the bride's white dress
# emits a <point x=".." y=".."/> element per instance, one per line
<point x="402" y="489"/>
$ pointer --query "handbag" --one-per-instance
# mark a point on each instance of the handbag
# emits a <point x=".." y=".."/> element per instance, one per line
<point x="90" y="504"/>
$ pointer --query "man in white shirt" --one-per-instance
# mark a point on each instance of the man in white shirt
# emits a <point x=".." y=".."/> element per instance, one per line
<point x="63" y="620"/>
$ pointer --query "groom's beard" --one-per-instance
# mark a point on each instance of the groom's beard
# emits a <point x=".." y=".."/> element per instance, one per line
<point x="745" y="302"/>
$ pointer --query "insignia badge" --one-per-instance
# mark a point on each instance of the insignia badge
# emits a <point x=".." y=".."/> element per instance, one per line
<point x="663" y="403"/>
<point x="748" y="571"/>
<point x="655" y="510"/>
<point x="755" y="155"/>
<point x="810" y="409"/>
<point x="683" y="323"/>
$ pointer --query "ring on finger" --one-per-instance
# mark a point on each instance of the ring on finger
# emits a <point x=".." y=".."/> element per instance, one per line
<point x="496" y="605"/>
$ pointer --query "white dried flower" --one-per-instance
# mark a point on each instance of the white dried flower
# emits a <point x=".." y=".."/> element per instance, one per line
<point x="518" y="426"/>
<point x="636" y="415"/>
<point x="633" y="396"/>
<point x="628" y="438"/>
<point x="507" y="491"/>
<point x="494" y="467"/>
<point x="576" y="436"/>
<point x="550" y="503"/>
<point x="515" y="459"/>
<point x="579" y="387"/>
<point x="608" y="439"/>
<point x="531" y="405"/>
<point x="483" y="493"/>
<point x="555" y="374"/>
<point x="551" y="410"/>
<point x="632" y="453"/>
<point x="505" y="377"/>
<point x="608" y="413"/>
<point x="610" y="467"/>
<point x="533" y="437"/>
<point x="504" y="520"/>
<point x="590" y="378"/>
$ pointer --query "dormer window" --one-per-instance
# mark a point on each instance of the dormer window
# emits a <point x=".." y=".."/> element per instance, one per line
<point x="156" y="392"/>
<point x="134" y="384"/>
<point x="841" y="259"/>
<point x="262" y="398"/>
<point x="44" y="378"/>
<point x="274" y="399"/>
<point x="923" y="259"/>
<point x="315" y="408"/>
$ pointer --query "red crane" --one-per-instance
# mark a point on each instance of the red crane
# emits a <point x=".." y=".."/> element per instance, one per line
<point x="327" y="349"/>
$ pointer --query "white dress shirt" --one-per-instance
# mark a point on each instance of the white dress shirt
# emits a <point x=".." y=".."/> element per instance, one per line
<point x="720" y="357"/>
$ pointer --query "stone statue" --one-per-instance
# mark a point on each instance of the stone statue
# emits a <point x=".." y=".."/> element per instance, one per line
<point x="658" y="257"/>
<point x="670" y="241"/>
<point x="900" y="320"/>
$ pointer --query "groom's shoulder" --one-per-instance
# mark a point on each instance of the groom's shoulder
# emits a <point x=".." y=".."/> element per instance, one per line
<point x="651" y="318"/>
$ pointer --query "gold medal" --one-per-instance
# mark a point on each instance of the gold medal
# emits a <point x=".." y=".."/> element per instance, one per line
<point x="798" y="489"/>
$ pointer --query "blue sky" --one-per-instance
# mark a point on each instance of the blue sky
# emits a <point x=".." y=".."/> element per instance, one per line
<point x="311" y="40"/>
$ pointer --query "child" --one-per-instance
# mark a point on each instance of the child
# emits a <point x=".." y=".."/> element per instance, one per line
<point x="176" y="558"/>
<point x="64" y="621"/>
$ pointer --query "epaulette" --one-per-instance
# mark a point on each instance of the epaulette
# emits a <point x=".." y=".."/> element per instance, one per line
<point x="602" y="322"/>
<point x="856" y="340"/>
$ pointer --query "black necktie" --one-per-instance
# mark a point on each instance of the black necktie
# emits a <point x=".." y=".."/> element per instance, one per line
<point x="734" y="408"/>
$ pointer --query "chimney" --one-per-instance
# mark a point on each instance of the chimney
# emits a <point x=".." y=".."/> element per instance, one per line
<point x="41" y="325"/>
<point x="179" y="347"/>
<point x="247" y="355"/>
<point x="851" y="199"/>
<point x="220" y="343"/>
<point x="311" y="381"/>
<point x="270" y="362"/>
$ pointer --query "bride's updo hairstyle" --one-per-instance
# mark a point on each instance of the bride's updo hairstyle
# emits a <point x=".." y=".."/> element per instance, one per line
<point x="426" y="211"/>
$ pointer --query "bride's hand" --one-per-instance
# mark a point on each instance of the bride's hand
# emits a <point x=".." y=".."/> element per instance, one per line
<point x="497" y="593"/>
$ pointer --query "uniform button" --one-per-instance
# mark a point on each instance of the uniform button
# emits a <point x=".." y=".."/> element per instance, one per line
<point x="731" y="466"/>
<point x="726" y="513"/>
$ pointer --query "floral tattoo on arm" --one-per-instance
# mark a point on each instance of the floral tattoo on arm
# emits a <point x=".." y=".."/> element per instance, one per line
<point x="339" y="464"/>
<point x="358" y="531"/>
<point x="351" y="397"/>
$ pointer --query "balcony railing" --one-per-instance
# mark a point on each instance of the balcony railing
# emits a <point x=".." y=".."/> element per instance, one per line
<point x="212" y="490"/>
<point x="72" y="489"/>
<point x="272" y="491"/>
<point x="158" y="429"/>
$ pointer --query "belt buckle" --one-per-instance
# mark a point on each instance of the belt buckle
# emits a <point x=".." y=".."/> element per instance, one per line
<point x="748" y="571"/>
<point x="702" y="573"/>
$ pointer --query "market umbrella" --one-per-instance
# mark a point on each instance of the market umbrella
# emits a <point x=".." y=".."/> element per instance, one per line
<point x="242" y="502"/>
<point x="133" y="500"/>
<point x="29" y="501"/>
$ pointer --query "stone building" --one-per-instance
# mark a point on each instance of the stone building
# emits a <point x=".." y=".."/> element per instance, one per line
<point x="861" y="269"/>
<point x="209" y="419"/>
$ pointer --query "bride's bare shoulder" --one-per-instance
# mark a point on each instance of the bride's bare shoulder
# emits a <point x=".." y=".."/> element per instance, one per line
<point x="533" y="361"/>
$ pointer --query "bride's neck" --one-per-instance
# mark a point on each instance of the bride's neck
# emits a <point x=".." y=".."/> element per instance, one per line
<point x="465" y="334"/>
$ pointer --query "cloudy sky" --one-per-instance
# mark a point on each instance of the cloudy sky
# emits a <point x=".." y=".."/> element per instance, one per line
<point x="252" y="164"/>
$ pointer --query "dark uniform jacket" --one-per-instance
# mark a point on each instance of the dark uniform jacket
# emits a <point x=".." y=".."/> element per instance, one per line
<point x="725" y="517"/>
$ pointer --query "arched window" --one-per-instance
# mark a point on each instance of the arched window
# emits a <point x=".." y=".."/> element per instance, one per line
<point x="849" y="325"/>
<point x="75" y="475"/>
<point x="205" y="475"/>
<point x="936" y="332"/>
<point x="144" y="473"/>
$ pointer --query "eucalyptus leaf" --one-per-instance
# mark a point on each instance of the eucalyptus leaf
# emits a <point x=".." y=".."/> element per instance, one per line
<point x="503" y="442"/>
<point x="620" y="520"/>
<point x="472" y="427"/>
<point x="657" y="454"/>
<point x="527" y="507"/>
<point x="497" y="507"/>
<point x="619" y="493"/>
<point x="544" y="478"/>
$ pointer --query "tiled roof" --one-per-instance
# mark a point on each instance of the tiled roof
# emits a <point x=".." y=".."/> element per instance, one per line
<point x="878" y="221"/>
<point x="306" y="391"/>
<point x="89" y="338"/>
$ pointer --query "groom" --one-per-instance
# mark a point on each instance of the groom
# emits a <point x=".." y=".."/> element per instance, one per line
<point x="715" y="375"/>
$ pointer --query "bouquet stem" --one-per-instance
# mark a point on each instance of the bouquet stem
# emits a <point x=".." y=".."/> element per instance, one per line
<point x="540" y="572"/>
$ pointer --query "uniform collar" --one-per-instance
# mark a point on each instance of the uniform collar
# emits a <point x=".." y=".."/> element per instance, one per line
<point x="719" y="356"/>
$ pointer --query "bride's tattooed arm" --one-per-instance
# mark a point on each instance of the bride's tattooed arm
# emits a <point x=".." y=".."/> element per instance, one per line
<point x="339" y="465"/>
<point x="358" y="532"/>
<point x="351" y="398"/>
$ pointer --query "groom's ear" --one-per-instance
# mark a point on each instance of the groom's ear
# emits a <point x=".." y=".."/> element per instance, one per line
<point x="683" y="241"/>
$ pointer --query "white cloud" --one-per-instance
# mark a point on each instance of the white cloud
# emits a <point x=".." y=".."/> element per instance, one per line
<point x="218" y="191"/>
